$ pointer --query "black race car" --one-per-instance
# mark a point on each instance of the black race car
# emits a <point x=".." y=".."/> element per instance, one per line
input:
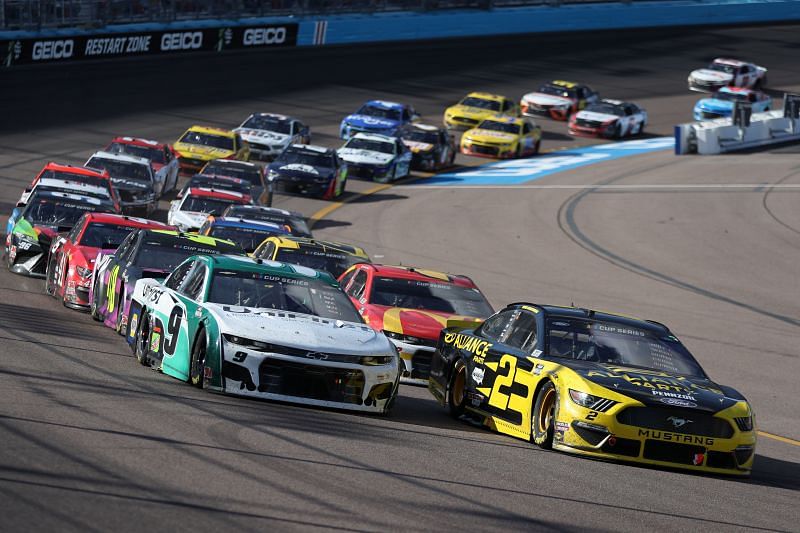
<point x="433" y="147"/>
<point x="294" y="221"/>
<point x="243" y="170"/>
<point x="308" y="169"/>
<point x="133" y="177"/>
<point x="218" y="183"/>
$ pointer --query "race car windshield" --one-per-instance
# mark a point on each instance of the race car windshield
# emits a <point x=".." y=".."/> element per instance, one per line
<point x="505" y="127"/>
<point x="270" y="291"/>
<point x="278" y="125"/>
<point x="201" y="204"/>
<point x="429" y="137"/>
<point x="298" y="157"/>
<point x="329" y="261"/>
<point x="122" y="170"/>
<point x="99" y="235"/>
<point x="731" y="97"/>
<point x="80" y="178"/>
<point x="380" y="112"/>
<point x="168" y="254"/>
<point x="619" y="344"/>
<point x="730" y="69"/>
<point x="56" y="211"/>
<point x="152" y="153"/>
<point x="606" y="109"/>
<point x="217" y="182"/>
<point x="297" y="226"/>
<point x="246" y="173"/>
<point x="443" y="297"/>
<point x="555" y="90"/>
<point x="247" y="238"/>
<point x="471" y="101"/>
<point x="205" y="139"/>
<point x="369" y="144"/>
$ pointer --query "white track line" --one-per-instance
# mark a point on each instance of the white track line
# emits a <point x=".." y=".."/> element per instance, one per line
<point x="687" y="186"/>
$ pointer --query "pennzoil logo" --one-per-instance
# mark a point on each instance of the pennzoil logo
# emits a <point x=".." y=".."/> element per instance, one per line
<point x="467" y="343"/>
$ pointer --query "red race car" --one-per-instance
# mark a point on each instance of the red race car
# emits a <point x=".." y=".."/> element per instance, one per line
<point x="89" y="176"/>
<point x="163" y="160"/>
<point x="411" y="306"/>
<point x="71" y="258"/>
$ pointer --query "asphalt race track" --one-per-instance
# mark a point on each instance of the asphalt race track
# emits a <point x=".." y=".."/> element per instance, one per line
<point x="91" y="441"/>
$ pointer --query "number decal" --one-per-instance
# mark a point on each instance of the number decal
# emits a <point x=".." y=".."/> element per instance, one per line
<point x="111" y="289"/>
<point x="592" y="415"/>
<point x="238" y="357"/>
<point x="500" y="399"/>
<point x="173" y="328"/>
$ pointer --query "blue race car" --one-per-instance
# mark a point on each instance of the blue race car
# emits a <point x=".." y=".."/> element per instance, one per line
<point x="721" y="103"/>
<point x="246" y="233"/>
<point x="377" y="116"/>
<point x="308" y="169"/>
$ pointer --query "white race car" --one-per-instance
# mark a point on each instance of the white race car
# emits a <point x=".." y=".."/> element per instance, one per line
<point x="727" y="72"/>
<point x="189" y="213"/>
<point x="262" y="329"/>
<point x="269" y="134"/>
<point x="377" y="157"/>
<point x="609" y="118"/>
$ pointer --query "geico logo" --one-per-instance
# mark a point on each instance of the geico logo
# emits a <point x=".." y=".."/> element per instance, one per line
<point x="187" y="40"/>
<point x="257" y="36"/>
<point x="53" y="49"/>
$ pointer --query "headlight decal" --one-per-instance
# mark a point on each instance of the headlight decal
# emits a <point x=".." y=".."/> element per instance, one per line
<point x="595" y="403"/>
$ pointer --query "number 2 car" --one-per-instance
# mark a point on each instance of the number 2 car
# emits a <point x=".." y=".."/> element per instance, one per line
<point x="262" y="329"/>
<point x="594" y="384"/>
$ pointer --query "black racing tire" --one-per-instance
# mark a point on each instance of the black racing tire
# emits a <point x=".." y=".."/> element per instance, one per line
<point x="49" y="283"/>
<point x="93" y="304"/>
<point x="198" y="360"/>
<point x="120" y="306"/>
<point x="618" y="132"/>
<point x="537" y="147"/>
<point x="543" y="416"/>
<point x="142" y="340"/>
<point x="457" y="391"/>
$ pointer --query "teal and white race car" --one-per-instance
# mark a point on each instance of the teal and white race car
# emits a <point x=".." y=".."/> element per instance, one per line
<point x="262" y="329"/>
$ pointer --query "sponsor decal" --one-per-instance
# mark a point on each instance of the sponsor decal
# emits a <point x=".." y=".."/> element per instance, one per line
<point x="677" y="395"/>
<point x="562" y="426"/>
<point x="80" y="47"/>
<point x="698" y="459"/>
<point x="675" y="437"/>
<point x="152" y="293"/>
<point x="134" y="323"/>
<point x="477" y="375"/>
<point x="155" y="341"/>
<point x="538" y="368"/>
<point x="678" y="422"/>
<point x="678" y="402"/>
<point x="474" y="345"/>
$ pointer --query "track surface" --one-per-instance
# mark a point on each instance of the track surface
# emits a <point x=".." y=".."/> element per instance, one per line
<point x="91" y="441"/>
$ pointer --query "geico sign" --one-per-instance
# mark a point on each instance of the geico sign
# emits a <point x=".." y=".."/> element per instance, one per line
<point x="53" y="49"/>
<point x="184" y="40"/>
<point x="259" y="36"/>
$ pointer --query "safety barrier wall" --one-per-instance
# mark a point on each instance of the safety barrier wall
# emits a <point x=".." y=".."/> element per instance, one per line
<point x="721" y="135"/>
<point x="69" y="44"/>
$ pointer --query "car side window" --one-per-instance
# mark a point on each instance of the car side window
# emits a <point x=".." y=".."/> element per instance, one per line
<point x="76" y="230"/>
<point x="193" y="285"/>
<point x="496" y="326"/>
<point x="522" y="332"/>
<point x="268" y="251"/>
<point x="346" y="279"/>
<point x="125" y="248"/>
<point x="628" y="110"/>
<point x="358" y="285"/>
<point x="526" y="128"/>
<point x="178" y="275"/>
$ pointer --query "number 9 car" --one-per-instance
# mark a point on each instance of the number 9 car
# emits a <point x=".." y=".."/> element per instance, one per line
<point x="594" y="384"/>
<point x="262" y="329"/>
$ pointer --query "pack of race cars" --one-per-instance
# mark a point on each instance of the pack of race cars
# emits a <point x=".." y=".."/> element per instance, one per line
<point x="239" y="297"/>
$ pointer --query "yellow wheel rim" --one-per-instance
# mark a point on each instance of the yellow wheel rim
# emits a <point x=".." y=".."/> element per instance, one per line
<point x="459" y="384"/>
<point x="546" y="408"/>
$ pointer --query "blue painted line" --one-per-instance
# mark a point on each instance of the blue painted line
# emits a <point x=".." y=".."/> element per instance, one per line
<point x="518" y="171"/>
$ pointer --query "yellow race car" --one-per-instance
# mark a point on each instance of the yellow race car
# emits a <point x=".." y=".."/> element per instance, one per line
<point x="201" y="144"/>
<point x="503" y="137"/>
<point x="333" y="257"/>
<point x="475" y="107"/>
<point x="596" y="384"/>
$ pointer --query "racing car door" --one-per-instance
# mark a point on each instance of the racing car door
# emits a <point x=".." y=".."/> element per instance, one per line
<point x="507" y="382"/>
<point x="403" y="159"/>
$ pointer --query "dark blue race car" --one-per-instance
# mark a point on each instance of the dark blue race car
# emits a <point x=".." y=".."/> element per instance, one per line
<point x="308" y="169"/>
<point x="378" y="116"/>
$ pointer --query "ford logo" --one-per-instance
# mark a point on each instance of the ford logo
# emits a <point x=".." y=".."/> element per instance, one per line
<point x="678" y="402"/>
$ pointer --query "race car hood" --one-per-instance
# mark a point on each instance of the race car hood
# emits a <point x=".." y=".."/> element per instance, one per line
<point x="415" y="322"/>
<point x="129" y="185"/>
<point x="264" y="136"/>
<point x="371" y="123"/>
<point x="190" y="219"/>
<point x="596" y="117"/>
<point x="417" y="147"/>
<point x="301" y="171"/>
<point x="201" y="152"/>
<point x="302" y="331"/>
<point x="479" y="135"/>
<point x="368" y="157"/>
<point x="713" y="76"/>
<point x="656" y="388"/>
<point x="715" y="106"/>
<point x="474" y="113"/>
<point x="547" y="99"/>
